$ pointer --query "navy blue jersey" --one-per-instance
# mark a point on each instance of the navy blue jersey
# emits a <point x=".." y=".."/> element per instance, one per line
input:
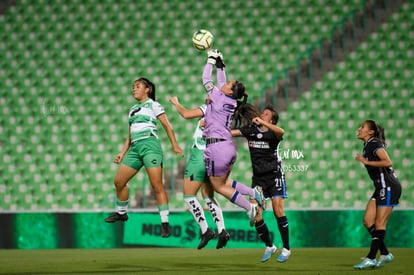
<point x="263" y="146"/>
<point x="379" y="175"/>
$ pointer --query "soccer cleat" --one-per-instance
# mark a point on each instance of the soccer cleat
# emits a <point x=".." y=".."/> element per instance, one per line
<point x="366" y="263"/>
<point x="114" y="217"/>
<point x="258" y="196"/>
<point x="253" y="213"/>
<point x="383" y="259"/>
<point x="165" y="230"/>
<point x="223" y="238"/>
<point x="283" y="256"/>
<point x="206" y="237"/>
<point x="270" y="250"/>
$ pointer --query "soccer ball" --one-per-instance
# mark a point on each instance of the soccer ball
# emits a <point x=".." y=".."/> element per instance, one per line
<point x="203" y="40"/>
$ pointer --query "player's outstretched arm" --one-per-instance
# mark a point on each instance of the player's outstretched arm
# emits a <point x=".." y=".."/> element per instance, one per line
<point x="184" y="112"/>
<point x="212" y="56"/>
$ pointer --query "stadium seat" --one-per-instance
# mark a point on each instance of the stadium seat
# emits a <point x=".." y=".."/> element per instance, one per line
<point x="83" y="56"/>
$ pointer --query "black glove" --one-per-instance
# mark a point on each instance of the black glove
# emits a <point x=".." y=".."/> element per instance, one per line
<point x="215" y="57"/>
<point x="219" y="63"/>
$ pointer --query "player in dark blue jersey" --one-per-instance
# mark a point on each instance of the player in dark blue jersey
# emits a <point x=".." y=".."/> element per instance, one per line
<point x="386" y="195"/>
<point x="264" y="136"/>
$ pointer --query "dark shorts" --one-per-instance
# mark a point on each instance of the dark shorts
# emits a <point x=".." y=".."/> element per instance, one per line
<point x="388" y="195"/>
<point x="272" y="183"/>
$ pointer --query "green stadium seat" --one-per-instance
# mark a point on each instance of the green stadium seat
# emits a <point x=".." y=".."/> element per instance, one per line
<point x="83" y="56"/>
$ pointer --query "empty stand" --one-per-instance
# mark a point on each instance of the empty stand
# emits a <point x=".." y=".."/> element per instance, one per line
<point x="366" y="85"/>
<point x="68" y="67"/>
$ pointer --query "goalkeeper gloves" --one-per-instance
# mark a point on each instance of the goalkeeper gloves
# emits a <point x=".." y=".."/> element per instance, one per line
<point x="215" y="57"/>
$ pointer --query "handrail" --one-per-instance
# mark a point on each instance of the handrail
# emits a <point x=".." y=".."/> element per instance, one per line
<point x="283" y="74"/>
<point x="307" y="53"/>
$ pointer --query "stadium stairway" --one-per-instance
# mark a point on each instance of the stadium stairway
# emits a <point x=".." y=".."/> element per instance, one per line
<point x="316" y="61"/>
<point x="373" y="82"/>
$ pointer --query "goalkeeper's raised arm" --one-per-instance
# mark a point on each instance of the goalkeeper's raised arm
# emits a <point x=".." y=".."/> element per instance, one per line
<point x="214" y="57"/>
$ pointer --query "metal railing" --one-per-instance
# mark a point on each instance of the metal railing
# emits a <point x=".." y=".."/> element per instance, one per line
<point x="337" y="32"/>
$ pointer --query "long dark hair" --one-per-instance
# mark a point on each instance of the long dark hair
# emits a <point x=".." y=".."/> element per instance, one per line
<point x="244" y="114"/>
<point x="239" y="91"/>
<point x="379" y="131"/>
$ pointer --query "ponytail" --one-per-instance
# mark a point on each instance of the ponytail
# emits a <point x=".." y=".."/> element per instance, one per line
<point x="379" y="131"/>
<point x="381" y="134"/>
<point x="244" y="114"/>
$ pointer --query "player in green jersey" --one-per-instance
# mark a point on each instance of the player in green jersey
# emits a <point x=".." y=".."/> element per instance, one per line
<point x="143" y="148"/>
<point x="195" y="178"/>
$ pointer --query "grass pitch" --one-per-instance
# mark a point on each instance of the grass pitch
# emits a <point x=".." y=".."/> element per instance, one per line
<point x="185" y="261"/>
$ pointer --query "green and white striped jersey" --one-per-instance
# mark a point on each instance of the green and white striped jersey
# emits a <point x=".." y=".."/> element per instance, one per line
<point x="143" y="119"/>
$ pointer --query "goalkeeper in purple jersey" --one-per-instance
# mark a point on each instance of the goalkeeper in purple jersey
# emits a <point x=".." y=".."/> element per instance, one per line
<point x="195" y="177"/>
<point x="220" y="153"/>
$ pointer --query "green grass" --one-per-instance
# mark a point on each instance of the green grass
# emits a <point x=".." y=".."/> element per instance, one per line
<point x="192" y="261"/>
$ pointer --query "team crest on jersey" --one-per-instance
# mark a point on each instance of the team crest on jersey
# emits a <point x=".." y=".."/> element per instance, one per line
<point x="259" y="135"/>
<point x="209" y="86"/>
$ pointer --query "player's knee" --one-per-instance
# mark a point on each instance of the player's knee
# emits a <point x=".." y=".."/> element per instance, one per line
<point x="279" y="211"/>
<point x="368" y="221"/>
<point x="158" y="188"/>
<point x="119" y="186"/>
<point x="119" y="183"/>
<point x="381" y="223"/>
